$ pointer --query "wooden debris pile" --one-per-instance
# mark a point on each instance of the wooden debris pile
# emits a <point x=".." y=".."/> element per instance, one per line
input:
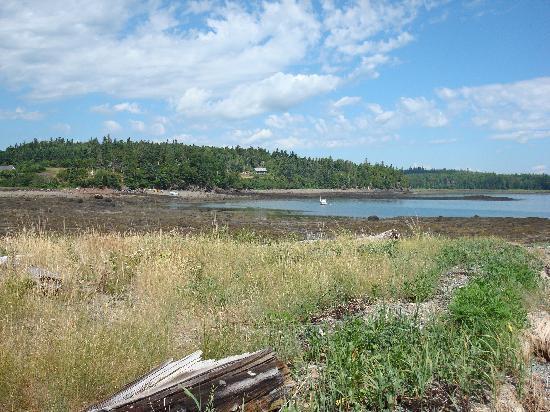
<point x="250" y="382"/>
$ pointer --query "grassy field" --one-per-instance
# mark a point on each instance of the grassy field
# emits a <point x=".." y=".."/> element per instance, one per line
<point x="129" y="302"/>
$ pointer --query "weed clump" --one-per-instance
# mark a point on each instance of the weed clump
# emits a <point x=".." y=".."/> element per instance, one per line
<point x="388" y="361"/>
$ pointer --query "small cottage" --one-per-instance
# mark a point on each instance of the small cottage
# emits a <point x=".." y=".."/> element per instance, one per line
<point x="260" y="170"/>
<point x="8" y="168"/>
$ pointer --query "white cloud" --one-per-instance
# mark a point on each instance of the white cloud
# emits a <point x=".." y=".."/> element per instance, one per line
<point x="522" y="136"/>
<point x="158" y="129"/>
<point x="20" y="114"/>
<point x="251" y="137"/>
<point x="351" y="26"/>
<point x="199" y="6"/>
<point x="377" y="124"/>
<point x="120" y="107"/>
<point x="277" y="92"/>
<point x="261" y="134"/>
<point x="127" y="107"/>
<point x="381" y="46"/>
<point x="269" y="139"/>
<point x="291" y="143"/>
<point x="283" y="121"/>
<point x="369" y="66"/>
<point x="63" y="128"/>
<point x="110" y="126"/>
<point x="137" y="125"/>
<point x="193" y="101"/>
<point x="346" y="101"/>
<point x="517" y="111"/>
<point x="539" y="169"/>
<point x="102" y="108"/>
<point x="424" y="111"/>
<point x="134" y="49"/>
<point x="443" y="141"/>
<point x="102" y="51"/>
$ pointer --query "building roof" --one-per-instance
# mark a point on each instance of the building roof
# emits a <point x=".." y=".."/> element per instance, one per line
<point x="260" y="169"/>
<point x="8" y="167"/>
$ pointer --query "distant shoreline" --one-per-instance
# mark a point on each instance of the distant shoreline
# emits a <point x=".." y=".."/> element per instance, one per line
<point x="365" y="194"/>
<point x="85" y="210"/>
<point x="222" y="194"/>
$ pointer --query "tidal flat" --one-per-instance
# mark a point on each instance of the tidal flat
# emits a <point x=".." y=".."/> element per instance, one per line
<point x="108" y="211"/>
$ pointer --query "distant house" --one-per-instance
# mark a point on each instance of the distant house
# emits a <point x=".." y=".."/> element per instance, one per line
<point x="260" y="170"/>
<point x="8" y="168"/>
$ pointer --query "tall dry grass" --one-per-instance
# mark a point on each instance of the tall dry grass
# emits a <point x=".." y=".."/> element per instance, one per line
<point x="129" y="302"/>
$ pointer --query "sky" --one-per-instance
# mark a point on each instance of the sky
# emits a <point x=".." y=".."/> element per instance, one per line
<point x="432" y="83"/>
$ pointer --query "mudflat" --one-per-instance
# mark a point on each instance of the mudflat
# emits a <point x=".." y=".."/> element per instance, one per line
<point x="74" y="211"/>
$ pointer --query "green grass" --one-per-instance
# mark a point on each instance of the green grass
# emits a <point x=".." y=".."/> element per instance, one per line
<point x="378" y="363"/>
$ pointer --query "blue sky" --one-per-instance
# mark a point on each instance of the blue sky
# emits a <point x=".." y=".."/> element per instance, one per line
<point x="456" y="84"/>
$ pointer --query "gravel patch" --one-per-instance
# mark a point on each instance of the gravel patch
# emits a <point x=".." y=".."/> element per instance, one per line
<point x="542" y="370"/>
<point x="422" y="312"/>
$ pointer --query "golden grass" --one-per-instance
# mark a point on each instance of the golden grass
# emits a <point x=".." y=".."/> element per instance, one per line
<point x="130" y="302"/>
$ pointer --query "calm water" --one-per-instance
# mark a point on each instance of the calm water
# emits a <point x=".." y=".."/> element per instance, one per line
<point x="526" y="205"/>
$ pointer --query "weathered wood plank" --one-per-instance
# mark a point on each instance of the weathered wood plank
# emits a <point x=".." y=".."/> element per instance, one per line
<point x="249" y="382"/>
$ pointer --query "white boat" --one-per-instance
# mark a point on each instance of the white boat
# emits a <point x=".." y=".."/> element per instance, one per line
<point x="323" y="201"/>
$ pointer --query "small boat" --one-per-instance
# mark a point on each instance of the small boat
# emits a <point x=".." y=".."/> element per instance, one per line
<point x="323" y="201"/>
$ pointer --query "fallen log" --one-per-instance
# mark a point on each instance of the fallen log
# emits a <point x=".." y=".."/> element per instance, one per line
<point x="250" y="382"/>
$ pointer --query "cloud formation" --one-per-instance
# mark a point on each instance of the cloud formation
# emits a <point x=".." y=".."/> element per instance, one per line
<point x="119" y="107"/>
<point x="144" y="49"/>
<point x="276" y="93"/>
<point x="517" y="111"/>
<point x="111" y="126"/>
<point x="20" y="114"/>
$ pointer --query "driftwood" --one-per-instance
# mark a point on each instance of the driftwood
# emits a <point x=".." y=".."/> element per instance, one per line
<point x="391" y="234"/>
<point x="249" y="382"/>
<point x="48" y="281"/>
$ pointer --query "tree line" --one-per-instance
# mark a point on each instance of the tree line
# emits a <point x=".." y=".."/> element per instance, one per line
<point x="464" y="179"/>
<point x="172" y="165"/>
